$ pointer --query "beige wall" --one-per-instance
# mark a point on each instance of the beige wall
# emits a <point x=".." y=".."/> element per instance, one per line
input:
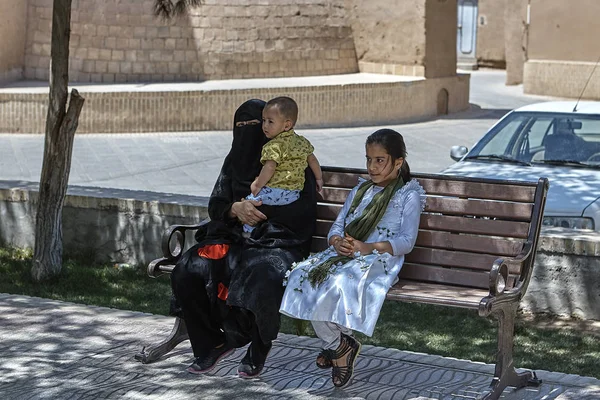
<point x="440" y="32"/>
<point x="562" y="79"/>
<point x="515" y="39"/>
<point x="490" y="33"/>
<point x="564" y="30"/>
<point x="13" y="23"/>
<point x="122" y="41"/>
<point x="563" y="49"/>
<point x="409" y="37"/>
<point x="349" y="104"/>
<point x="388" y="31"/>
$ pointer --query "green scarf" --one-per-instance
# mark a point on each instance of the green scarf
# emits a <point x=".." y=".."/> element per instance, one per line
<point x="361" y="227"/>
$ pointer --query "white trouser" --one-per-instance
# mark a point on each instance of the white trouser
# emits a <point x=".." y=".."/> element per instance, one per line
<point x="329" y="333"/>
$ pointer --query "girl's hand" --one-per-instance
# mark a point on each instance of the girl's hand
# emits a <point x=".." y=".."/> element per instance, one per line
<point x="358" y="246"/>
<point x="343" y="247"/>
<point x="246" y="212"/>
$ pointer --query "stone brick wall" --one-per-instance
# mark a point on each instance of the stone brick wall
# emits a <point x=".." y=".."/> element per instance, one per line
<point x="13" y="23"/>
<point x="122" y="41"/>
<point x="490" y="33"/>
<point x="563" y="49"/>
<point x="348" y="104"/>
<point x="562" y="79"/>
<point x="405" y="37"/>
<point x="515" y="39"/>
<point x="389" y="31"/>
<point x="563" y="30"/>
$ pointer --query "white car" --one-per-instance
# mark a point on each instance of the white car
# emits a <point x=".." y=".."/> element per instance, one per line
<point x="556" y="140"/>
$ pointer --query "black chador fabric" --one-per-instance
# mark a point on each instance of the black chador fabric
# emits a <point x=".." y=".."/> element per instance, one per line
<point x="284" y="238"/>
<point x="254" y="267"/>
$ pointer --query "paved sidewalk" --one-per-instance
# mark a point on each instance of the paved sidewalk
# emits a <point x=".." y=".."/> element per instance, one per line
<point x="57" y="350"/>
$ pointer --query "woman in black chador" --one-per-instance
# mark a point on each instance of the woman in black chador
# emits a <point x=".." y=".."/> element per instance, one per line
<point x="229" y="287"/>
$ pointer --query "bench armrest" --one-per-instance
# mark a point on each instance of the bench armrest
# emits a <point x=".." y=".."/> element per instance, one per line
<point x="499" y="279"/>
<point x="177" y="232"/>
<point x="172" y="251"/>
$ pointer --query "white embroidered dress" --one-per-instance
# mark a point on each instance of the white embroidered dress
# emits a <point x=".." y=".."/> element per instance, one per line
<point x="352" y="295"/>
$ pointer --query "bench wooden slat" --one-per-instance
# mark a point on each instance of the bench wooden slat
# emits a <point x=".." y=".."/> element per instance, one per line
<point x="341" y="179"/>
<point x="478" y="190"/>
<point x="422" y="292"/>
<point x="328" y="212"/>
<point x="471" y="243"/>
<point x="479" y="208"/>
<point x="449" y="276"/>
<point x="318" y="244"/>
<point x="453" y="206"/>
<point x="453" y="241"/>
<point x="457" y="259"/>
<point x="322" y="228"/>
<point x="335" y="195"/>
<point x="474" y="225"/>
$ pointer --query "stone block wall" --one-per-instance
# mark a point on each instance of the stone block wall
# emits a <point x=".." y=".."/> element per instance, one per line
<point x="562" y="79"/>
<point x="122" y="41"/>
<point x="388" y="31"/>
<point x="490" y="33"/>
<point x="13" y="28"/>
<point x="562" y="49"/>
<point x="515" y="39"/>
<point x="413" y="37"/>
<point x="344" y="104"/>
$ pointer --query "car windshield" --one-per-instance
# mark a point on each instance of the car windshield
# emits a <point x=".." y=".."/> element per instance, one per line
<point x="544" y="138"/>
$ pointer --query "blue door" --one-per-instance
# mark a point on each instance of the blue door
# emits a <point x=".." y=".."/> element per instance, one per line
<point x="467" y="29"/>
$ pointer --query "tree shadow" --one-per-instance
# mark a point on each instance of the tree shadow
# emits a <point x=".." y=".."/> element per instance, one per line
<point x="477" y="112"/>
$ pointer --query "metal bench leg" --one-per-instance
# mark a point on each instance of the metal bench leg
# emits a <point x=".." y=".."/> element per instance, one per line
<point x="178" y="334"/>
<point x="505" y="374"/>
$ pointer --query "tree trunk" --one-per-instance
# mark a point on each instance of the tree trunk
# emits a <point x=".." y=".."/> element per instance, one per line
<point x="60" y="132"/>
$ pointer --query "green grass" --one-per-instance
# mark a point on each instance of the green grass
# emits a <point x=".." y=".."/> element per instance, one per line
<point x="415" y="327"/>
<point x="100" y="285"/>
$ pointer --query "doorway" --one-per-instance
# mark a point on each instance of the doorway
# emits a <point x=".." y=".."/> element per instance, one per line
<point x="466" y="34"/>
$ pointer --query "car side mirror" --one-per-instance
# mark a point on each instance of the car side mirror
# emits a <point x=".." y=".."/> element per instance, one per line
<point x="458" y="152"/>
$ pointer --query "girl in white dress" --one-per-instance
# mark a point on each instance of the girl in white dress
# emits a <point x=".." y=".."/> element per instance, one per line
<point x="342" y="288"/>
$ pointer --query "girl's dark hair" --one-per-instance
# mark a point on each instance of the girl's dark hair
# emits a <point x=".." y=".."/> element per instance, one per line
<point x="393" y="143"/>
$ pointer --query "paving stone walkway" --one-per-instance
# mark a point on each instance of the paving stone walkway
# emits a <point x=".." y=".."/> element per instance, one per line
<point x="57" y="350"/>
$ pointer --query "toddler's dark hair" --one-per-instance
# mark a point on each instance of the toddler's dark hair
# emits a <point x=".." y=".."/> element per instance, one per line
<point x="393" y="143"/>
<point x="286" y="106"/>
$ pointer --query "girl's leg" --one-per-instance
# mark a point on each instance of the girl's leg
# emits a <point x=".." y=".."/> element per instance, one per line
<point x="330" y="333"/>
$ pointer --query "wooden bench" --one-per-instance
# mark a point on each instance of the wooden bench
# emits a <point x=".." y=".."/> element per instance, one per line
<point x="475" y="249"/>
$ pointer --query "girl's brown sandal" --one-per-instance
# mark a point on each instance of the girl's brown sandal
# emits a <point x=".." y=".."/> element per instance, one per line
<point x="349" y="349"/>
<point x="324" y="358"/>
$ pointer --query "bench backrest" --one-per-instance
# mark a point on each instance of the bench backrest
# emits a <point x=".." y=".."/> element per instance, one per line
<point x="467" y="224"/>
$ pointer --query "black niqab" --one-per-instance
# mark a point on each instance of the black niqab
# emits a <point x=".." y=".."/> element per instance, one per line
<point x="242" y="165"/>
<point x="246" y="148"/>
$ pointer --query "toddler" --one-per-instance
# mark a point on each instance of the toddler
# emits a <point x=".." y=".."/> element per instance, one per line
<point x="284" y="157"/>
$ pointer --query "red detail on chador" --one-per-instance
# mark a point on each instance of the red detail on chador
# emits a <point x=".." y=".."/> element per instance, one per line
<point x="213" y="251"/>
<point x="223" y="292"/>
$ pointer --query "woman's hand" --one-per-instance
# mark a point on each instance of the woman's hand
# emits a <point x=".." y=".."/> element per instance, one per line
<point x="342" y="246"/>
<point x="358" y="246"/>
<point x="246" y="212"/>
